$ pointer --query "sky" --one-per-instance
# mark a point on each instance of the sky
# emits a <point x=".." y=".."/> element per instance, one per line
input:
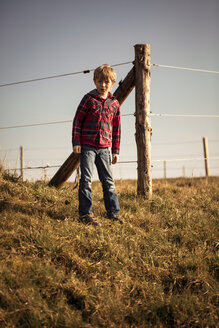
<point x="51" y="37"/>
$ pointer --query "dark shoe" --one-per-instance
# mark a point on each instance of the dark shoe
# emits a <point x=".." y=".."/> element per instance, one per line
<point x="116" y="218"/>
<point x="88" y="219"/>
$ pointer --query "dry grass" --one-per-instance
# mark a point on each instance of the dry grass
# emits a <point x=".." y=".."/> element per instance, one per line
<point x="159" y="269"/>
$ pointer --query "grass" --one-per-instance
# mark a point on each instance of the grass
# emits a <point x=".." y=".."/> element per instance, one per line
<point x="159" y="269"/>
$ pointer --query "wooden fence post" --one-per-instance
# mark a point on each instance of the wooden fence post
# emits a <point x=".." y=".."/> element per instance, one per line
<point x="143" y="125"/>
<point x="205" y="146"/>
<point x="184" y="171"/>
<point x="22" y="162"/>
<point x="165" y="169"/>
<point x="73" y="161"/>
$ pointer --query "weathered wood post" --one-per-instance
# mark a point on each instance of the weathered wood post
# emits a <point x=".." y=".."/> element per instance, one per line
<point x="73" y="161"/>
<point x="184" y="171"/>
<point x="143" y="124"/>
<point x="22" y="162"/>
<point x="205" y="146"/>
<point x="165" y="169"/>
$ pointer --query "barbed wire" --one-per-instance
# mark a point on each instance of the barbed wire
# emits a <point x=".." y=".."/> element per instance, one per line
<point x="182" y="142"/>
<point x="187" y="168"/>
<point x="123" y="115"/>
<point x="57" y="76"/>
<point x="34" y="167"/>
<point x="122" y="162"/>
<point x="43" y="123"/>
<point x="57" y="160"/>
<point x="186" y="115"/>
<point x="124" y="144"/>
<point x="92" y="69"/>
<point x="186" y="68"/>
<point x="184" y="159"/>
<point x="34" y="124"/>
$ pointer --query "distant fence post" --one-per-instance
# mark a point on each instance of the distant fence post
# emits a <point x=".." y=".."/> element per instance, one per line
<point x="165" y="169"/>
<point x="143" y="125"/>
<point x="22" y="162"/>
<point x="205" y="146"/>
<point x="184" y="171"/>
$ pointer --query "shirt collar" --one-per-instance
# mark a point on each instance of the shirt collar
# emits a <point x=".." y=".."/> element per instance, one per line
<point x="96" y="94"/>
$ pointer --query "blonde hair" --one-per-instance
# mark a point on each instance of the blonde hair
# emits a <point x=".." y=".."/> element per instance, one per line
<point x="105" y="72"/>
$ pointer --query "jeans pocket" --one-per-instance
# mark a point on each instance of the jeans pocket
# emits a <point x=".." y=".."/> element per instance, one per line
<point x="107" y="156"/>
<point x="110" y="158"/>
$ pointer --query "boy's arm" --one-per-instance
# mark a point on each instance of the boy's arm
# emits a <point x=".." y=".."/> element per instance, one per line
<point x="77" y="125"/>
<point x="116" y="135"/>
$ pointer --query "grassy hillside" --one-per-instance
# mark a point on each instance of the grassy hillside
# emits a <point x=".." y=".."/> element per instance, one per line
<point x="159" y="269"/>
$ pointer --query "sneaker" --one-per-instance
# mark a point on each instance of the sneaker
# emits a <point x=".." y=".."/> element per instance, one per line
<point x="116" y="218"/>
<point x="88" y="219"/>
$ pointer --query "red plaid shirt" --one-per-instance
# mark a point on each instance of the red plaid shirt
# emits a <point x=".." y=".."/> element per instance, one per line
<point x="97" y="122"/>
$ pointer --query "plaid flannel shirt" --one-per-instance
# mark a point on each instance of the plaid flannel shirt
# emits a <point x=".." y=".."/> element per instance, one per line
<point x="97" y="122"/>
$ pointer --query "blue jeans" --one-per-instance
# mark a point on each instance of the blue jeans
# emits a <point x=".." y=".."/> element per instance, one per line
<point x="101" y="158"/>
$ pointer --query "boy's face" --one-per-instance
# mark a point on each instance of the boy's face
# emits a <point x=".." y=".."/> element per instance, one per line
<point x="103" y="86"/>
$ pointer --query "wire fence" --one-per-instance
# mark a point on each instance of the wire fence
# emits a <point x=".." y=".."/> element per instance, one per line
<point x="154" y="161"/>
<point x="157" y="164"/>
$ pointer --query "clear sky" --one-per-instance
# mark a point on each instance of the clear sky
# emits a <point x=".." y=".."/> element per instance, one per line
<point x="50" y="37"/>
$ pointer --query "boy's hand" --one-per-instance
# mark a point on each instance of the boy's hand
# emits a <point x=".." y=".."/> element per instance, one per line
<point x="115" y="158"/>
<point x="77" y="149"/>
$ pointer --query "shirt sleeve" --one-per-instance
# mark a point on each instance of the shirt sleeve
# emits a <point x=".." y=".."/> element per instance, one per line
<point x="116" y="135"/>
<point x="78" y="121"/>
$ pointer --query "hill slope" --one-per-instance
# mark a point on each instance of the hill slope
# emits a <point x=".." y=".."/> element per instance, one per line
<point x="159" y="269"/>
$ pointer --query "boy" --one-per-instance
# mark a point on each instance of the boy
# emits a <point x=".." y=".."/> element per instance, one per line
<point x="96" y="127"/>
